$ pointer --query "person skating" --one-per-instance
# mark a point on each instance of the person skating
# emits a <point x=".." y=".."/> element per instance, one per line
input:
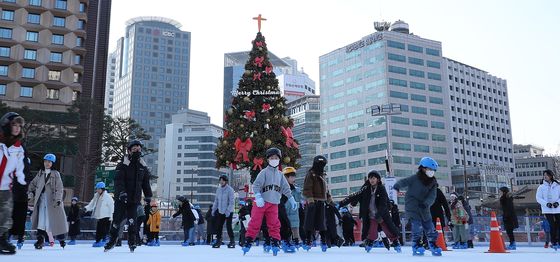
<point x="210" y="227"/>
<point x="187" y="217"/>
<point x="509" y="217"/>
<point x="332" y="219"/>
<point x="20" y="204"/>
<point x="46" y="193"/>
<point x="316" y="194"/>
<point x="11" y="162"/>
<point x="419" y="197"/>
<point x="548" y="196"/>
<point x="102" y="208"/>
<point x="244" y="218"/>
<point x="396" y="218"/>
<point x="153" y="224"/>
<point x="440" y="209"/>
<point x="73" y="220"/>
<point x="268" y="187"/>
<point x="200" y="235"/>
<point x="131" y="180"/>
<point x="374" y="202"/>
<point x="469" y="225"/>
<point x="348" y="224"/>
<point x="459" y="220"/>
<point x="222" y="210"/>
<point x="545" y="227"/>
<point x="293" y="215"/>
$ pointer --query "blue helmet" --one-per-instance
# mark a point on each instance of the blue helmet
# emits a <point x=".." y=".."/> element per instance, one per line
<point x="50" y="157"/>
<point x="428" y="162"/>
<point x="241" y="202"/>
<point x="100" y="185"/>
<point x="343" y="209"/>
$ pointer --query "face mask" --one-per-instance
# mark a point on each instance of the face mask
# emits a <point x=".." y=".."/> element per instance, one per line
<point x="430" y="173"/>
<point x="274" y="162"/>
<point x="135" y="155"/>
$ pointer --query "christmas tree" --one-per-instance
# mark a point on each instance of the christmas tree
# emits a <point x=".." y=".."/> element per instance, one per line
<point x="256" y="120"/>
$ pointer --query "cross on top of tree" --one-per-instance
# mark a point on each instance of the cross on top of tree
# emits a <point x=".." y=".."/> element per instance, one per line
<point x="256" y="120"/>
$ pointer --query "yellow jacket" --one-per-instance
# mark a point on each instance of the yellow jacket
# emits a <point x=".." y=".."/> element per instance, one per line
<point x="154" y="221"/>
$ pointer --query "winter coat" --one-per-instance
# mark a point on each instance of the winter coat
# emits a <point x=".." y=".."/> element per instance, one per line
<point x="419" y="197"/>
<point x="19" y="191"/>
<point x="395" y="216"/>
<point x="509" y="216"/>
<point x="468" y="208"/>
<point x="440" y="209"/>
<point x="101" y="205"/>
<point x="154" y="221"/>
<point x="73" y="219"/>
<point x="332" y="217"/>
<point x="52" y="190"/>
<point x="459" y="215"/>
<point x="11" y="164"/>
<point x="293" y="215"/>
<point x="271" y="184"/>
<point x="210" y="229"/>
<point x="224" y="201"/>
<point x="188" y="216"/>
<point x="243" y="212"/>
<point x="132" y="178"/>
<point x="315" y="187"/>
<point x="549" y="193"/>
<point x="348" y="222"/>
<point x="381" y="204"/>
<point x="200" y="217"/>
<point x="315" y="219"/>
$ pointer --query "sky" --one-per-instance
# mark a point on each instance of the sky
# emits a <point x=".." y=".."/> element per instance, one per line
<point x="515" y="40"/>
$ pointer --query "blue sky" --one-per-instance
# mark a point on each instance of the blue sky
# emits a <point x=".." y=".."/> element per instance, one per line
<point x="515" y="40"/>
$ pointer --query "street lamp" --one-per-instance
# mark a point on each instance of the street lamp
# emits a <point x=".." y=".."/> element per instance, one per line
<point x="192" y="182"/>
<point x="386" y="110"/>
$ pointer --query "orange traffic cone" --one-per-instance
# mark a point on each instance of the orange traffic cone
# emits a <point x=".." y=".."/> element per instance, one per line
<point x="441" y="238"/>
<point x="496" y="241"/>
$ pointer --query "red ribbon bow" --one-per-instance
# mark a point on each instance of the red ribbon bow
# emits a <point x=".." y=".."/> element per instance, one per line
<point x="265" y="107"/>
<point x="226" y="133"/>
<point x="233" y="166"/>
<point x="242" y="149"/>
<point x="290" y="142"/>
<point x="257" y="163"/>
<point x="268" y="69"/>
<point x="256" y="76"/>
<point x="250" y="115"/>
<point x="259" y="43"/>
<point x="259" y="60"/>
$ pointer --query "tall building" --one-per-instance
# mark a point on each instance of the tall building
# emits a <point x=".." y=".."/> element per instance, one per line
<point x="110" y="84"/>
<point x="152" y="75"/>
<point x="53" y="53"/>
<point x="393" y="68"/>
<point x="530" y="164"/>
<point x="306" y="113"/>
<point x="480" y="124"/>
<point x="188" y="162"/>
<point x="234" y="67"/>
<point x="294" y="83"/>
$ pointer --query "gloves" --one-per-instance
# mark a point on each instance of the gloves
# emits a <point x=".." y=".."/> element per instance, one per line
<point x="549" y="205"/>
<point x="259" y="200"/>
<point x="123" y="197"/>
<point x="555" y="204"/>
<point x="293" y="203"/>
<point x="421" y="205"/>
<point x="57" y="204"/>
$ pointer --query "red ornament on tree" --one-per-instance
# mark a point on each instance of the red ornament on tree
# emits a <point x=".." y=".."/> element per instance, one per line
<point x="268" y="69"/>
<point x="242" y="148"/>
<point x="259" y="44"/>
<point x="290" y="142"/>
<point x="257" y="163"/>
<point x="226" y="133"/>
<point x="266" y="107"/>
<point x="250" y="115"/>
<point x="257" y="75"/>
<point x="258" y="61"/>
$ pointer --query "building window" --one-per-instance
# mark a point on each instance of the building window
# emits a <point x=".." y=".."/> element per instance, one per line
<point x="79" y="41"/>
<point x="420" y="135"/>
<point x="395" y="57"/>
<point x="2" y="89"/>
<point x="399" y="120"/>
<point x="438" y="125"/>
<point x="30" y="54"/>
<point x="397" y="94"/>
<point x="4" y="51"/>
<point x="416" y="61"/>
<point x="81" y="24"/>
<point x="415" y="48"/>
<point x="434" y="76"/>
<point x="32" y="36"/>
<point x="28" y="72"/>
<point x="34" y="18"/>
<point x="58" y="39"/>
<point x="3" y="70"/>
<point x="433" y="64"/>
<point x="60" y="4"/>
<point x="395" y="44"/>
<point x="82" y="7"/>
<point x="26" y="91"/>
<point x="77" y="59"/>
<point x="400" y="133"/>
<point x="421" y="148"/>
<point x="420" y="98"/>
<point x="8" y="15"/>
<point x="54" y="75"/>
<point x="436" y="137"/>
<point x="433" y="52"/>
<point x="35" y="2"/>
<point x="436" y="100"/>
<point x="59" y="21"/>
<point x="402" y="146"/>
<point x="435" y="88"/>
<point x="5" y="33"/>
<point x="397" y="82"/>
<point x="56" y="57"/>
<point x="52" y="94"/>
<point x="417" y="85"/>
<point x="77" y="77"/>
<point x="416" y="73"/>
<point x="420" y="122"/>
<point x="397" y="69"/>
<point x="419" y="110"/>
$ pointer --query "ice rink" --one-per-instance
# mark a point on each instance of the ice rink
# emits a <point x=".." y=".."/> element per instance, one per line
<point x="176" y="253"/>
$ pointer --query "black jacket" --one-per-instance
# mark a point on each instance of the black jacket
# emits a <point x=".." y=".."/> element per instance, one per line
<point x="331" y="214"/>
<point x="188" y="216"/>
<point x="509" y="216"/>
<point x="19" y="191"/>
<point x="200" y="217"/>
<point x="395" y="216"/>
<point x="364" y="198"/>
<point x="210" y="229"/>
<point x="73" y="213"/>
<point x="348" y="222"/>
<point x="439" y="207"/>
<point x="133" y="178"/>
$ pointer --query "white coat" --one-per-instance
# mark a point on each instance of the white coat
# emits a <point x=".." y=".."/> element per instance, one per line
<point x="549" y="193"/>
<point x="102" y="206"/>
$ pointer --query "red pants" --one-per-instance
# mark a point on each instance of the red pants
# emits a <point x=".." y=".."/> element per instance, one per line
<point x="373" y="226"/>
<point x="270" y="211"/>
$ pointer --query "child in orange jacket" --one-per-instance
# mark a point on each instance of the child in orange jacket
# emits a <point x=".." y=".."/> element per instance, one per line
<point x="154" y="222"/>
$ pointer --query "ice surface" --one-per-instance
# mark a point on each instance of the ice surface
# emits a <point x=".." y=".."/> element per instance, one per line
<point x="177" y="253"/>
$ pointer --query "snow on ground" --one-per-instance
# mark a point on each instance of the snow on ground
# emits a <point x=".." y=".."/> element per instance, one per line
<point x="176" y="253"/>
